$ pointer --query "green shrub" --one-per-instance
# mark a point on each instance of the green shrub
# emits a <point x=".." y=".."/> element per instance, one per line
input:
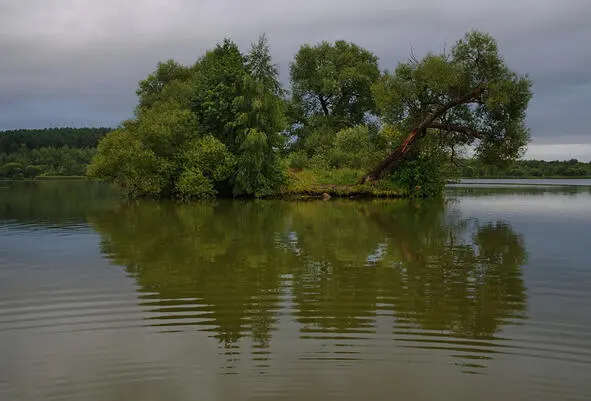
<point x="299" y="160"/>
<point x="11" y="170"/>
<point x="421" y="177"/>
<point x="193" y="184"/>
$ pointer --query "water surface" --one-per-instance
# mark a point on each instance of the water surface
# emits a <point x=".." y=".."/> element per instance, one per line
<point x="484" y="295"/>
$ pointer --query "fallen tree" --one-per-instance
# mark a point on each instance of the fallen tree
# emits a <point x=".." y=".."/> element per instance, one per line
<point x="468" y="98"/>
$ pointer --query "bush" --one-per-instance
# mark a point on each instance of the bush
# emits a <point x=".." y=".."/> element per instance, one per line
<point x="11" y="170"/>
<point x="299" y="160"/>
<point x="33" y="171"/>
<point x="421" y="177"/>
<point x="193" y="184"/>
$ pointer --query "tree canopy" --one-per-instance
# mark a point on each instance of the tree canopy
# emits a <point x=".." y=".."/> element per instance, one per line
<point x="214" y="126"/>
<point x="224" y="125"/>
<point x="331" y="88"/>
<point x="334" y="80"/>
<point x="468" y="97"/>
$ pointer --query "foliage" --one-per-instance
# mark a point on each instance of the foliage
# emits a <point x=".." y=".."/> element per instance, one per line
<point x="472" y="95"/>
<point x="28" y="139"/>
<point x="331" y="89"/>
<point x="258" y="171"/>
<point x="168" y="81"/>
<point x="161" y="155"/>
<point x="357" y="148"/>
<point x="45" y="161"/>
<point x="471" y="168"/>
<point x="201" y="129"/>
<point x="420" y="177"/>
<point x="334" y="80"/>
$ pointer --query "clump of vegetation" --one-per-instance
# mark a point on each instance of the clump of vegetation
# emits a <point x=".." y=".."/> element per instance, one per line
<point x="201" y="130"/>
<point x="225" y="126"/>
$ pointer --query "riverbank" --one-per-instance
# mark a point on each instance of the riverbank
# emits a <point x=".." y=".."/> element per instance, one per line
<point x="309" y="184"/>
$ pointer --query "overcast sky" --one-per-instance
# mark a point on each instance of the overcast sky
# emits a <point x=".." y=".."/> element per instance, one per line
<point x="77" y="62"/>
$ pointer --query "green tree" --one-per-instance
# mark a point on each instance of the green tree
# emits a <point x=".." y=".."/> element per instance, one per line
<point x="469" y="97"/>
<point x="331" y="85"/>
<point x="238" y="100"/>
<point x="164" y="83"/>
<point x="212" y="127"/>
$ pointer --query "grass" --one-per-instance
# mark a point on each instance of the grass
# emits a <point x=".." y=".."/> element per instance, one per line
<point x="59" y="177"/>
<point x="342" y="183"/>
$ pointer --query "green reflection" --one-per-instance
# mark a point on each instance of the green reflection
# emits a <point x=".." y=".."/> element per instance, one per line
<point x="341" y="269"/>
<point x="222" y="258"/>
<point x="53" y="203"/>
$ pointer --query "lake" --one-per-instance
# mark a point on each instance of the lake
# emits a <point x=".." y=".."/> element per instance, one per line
<point x="481" y="296"/>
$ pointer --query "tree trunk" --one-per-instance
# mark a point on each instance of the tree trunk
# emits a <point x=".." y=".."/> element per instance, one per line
<point x="324" y="105"/>
<point x="399" y="155"/>
<point x="395" y="158"/>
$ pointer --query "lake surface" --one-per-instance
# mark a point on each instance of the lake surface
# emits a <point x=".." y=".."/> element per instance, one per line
<point x="483" y="296"/>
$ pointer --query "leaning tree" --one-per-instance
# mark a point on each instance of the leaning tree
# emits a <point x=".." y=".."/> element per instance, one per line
<point x="468" y="97"/>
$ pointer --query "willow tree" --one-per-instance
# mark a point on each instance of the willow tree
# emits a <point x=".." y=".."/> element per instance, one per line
<point x="466" y="98"/>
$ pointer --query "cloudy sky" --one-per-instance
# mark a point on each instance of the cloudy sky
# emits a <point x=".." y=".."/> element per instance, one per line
<point x="77" y="62"/>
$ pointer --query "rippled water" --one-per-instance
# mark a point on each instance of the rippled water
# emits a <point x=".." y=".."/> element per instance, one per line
<point x="484" y="296"/>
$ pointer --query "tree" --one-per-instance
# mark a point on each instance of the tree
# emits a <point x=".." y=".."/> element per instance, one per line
<point x="168" y="74"/>
<point x="467" y="98"/>
<point x="332" y="83"/>
<point x="237" y="99"/>
<point x="197" y="131"/>
<point x="217" y="93"/>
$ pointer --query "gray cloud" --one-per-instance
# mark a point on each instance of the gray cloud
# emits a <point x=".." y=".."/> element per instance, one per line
<point x="77" y="62"/>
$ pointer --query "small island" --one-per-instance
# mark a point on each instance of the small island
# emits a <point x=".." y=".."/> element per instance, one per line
<point x="226" y="127"/>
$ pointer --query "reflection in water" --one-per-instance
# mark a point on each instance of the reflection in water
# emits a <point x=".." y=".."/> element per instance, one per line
<point x="60" y="204"/>
<point x="488" y="190"/>
<point x="342" y="271"/>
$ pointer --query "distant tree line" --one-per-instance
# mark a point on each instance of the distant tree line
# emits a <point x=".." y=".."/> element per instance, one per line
<point x="525" y="169"/>
<point x="13" y="140"/>
<point x="29" y="153"/>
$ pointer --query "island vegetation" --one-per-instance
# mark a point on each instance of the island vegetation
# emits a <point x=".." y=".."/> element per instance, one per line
<point x="224" y="126"/>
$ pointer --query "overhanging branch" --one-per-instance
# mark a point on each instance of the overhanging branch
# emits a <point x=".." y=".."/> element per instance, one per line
<point x="450" y="105"/>
<point x="456" y="128"/>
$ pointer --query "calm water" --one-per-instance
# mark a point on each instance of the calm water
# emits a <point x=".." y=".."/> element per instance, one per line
<point x="482" y="297"/>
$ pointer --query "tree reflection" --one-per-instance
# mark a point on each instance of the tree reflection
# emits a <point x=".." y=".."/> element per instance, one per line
<point x="59" y="204"/>
<point x="234" y="267"/>
<point x="211" y="266"/>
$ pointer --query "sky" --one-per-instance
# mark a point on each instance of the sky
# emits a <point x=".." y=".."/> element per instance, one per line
<point x="78" y="62"/>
